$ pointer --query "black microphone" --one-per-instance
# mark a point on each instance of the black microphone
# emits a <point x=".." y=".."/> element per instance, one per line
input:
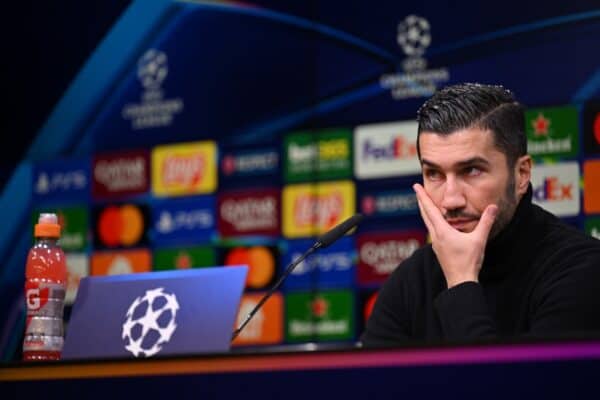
<point x="323" y="241"/>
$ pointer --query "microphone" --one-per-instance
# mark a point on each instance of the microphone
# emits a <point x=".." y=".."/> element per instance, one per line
<point x="322" y="242"/>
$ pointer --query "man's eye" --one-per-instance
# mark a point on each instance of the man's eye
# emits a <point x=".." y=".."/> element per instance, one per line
<point x="472" y="171"/>
<point x="432" y="174"/>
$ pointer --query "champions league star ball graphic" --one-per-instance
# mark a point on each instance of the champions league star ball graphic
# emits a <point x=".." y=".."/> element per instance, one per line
<point x="152" y="69"/>
<point x="414" y="35"/>
<point x="150" y="322"/>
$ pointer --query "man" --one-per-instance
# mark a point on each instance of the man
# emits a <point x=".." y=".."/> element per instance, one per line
<point x="498" y="266"/>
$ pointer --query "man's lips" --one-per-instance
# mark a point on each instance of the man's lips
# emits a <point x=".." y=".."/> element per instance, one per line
<point x="460" y="223"/>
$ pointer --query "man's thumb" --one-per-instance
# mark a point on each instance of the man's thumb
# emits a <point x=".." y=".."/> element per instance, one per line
<point x="487" y="219"/>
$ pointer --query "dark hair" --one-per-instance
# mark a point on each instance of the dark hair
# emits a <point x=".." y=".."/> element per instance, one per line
<point x="473" y="105"/>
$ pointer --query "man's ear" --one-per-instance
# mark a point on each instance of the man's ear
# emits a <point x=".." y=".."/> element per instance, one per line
<point x="523" y="174"/>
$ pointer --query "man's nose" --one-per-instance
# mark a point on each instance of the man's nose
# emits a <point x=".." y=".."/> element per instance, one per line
<point x="453" y="195"/>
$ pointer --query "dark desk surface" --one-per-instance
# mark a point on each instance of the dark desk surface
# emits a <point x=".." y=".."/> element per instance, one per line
<point x="552" y="368"/>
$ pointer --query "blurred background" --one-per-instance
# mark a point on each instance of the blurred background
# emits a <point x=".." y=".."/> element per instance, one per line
<point x="172" y="134"/>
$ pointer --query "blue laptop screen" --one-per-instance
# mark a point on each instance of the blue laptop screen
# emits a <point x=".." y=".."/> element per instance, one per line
<point x="155" y="314"/>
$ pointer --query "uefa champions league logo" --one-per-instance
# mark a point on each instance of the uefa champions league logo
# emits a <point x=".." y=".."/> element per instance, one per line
<point x="150" y="322"/>
<point x="152" y="69"/>
<point x="415" y="80"/>
<point x="414" y="35"/>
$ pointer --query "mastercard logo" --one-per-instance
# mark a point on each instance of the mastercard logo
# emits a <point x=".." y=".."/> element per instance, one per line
<point x="123" y="225"/>
<point x="260" y="261"/>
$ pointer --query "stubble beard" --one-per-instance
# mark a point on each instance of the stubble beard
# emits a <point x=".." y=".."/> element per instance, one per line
<point x="507" y="205"/>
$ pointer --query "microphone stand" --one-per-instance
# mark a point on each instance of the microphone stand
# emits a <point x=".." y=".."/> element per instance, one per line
<point x="287" y="271"/>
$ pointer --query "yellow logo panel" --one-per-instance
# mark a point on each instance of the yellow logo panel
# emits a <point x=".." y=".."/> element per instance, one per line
<point x="184" y="169"/>
<point x="313" y="208"/>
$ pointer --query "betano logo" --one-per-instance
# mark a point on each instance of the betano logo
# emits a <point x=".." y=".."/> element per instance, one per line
<point x="383" y="150"/>
<point x="187" y="168"/>
<point x="556" y="188"/>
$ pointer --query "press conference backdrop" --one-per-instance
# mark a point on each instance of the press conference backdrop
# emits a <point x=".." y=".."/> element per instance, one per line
<point x="204" y="133"/>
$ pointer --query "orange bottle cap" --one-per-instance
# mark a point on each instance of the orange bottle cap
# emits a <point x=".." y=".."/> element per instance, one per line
<point x="47" y="226"/>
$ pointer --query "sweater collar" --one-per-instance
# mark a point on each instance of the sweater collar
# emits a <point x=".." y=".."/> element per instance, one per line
<point x="511" y="242"/>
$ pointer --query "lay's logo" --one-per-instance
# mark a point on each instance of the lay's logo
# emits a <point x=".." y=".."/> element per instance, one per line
<point x="556" y="188"/>
<point x="184" y="169"/>
<point x="311" y="209"/>
<point x="383" y="150"/>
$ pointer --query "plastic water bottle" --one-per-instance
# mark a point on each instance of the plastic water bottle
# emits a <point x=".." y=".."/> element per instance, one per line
<point x="45" y="285"/>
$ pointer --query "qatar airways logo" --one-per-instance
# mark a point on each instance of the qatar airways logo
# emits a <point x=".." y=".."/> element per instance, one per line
<point x="122" y="173"/>
<point x="379" y="254"/>
<point x="383" y="150"/>
<point x="183" y="170"/>
<point x="251" y="213"/>
<point x="385" y="256"/>
<point x="556" y="188"/>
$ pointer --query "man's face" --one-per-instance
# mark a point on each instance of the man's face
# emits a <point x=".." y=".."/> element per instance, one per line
<point x="463" y="173"/>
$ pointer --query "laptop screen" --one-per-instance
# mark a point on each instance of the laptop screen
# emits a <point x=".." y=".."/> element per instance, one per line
<point x="155" y="314"/>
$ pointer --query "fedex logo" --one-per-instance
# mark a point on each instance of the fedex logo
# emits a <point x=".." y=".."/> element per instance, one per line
<point x="398" y="147"/>
<point x="384" y="150"/>
<point x="553" y="190"/>
<point x="556" y="188"/>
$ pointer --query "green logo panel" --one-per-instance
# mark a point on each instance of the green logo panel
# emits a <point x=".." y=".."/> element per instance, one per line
<point x="592" y="227"/>
<point x="183" y="258"/>
<point x="552" y="131"/>
<point x="320" y="155"/>
<point x="74" y="222"/>
<point x="319" y="316"/>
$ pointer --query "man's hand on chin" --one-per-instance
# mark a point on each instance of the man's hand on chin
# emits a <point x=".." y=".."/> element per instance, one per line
<point x="459" y="254"/>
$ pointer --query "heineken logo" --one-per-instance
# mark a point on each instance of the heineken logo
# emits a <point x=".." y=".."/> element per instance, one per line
<point x="540" y="125"/>
<point x="553" y="131"/>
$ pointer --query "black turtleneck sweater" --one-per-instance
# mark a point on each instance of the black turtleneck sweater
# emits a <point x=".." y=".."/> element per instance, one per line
<point x="540" y="278"/>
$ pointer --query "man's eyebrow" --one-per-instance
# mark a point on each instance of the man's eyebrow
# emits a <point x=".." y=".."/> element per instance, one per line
<point x="458" y="164"/>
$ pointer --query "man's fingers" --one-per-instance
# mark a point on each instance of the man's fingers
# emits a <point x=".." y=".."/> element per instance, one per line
<point x="428" y="207"/>
<point x="486" y="221"/>
<point x="426" y="220"/>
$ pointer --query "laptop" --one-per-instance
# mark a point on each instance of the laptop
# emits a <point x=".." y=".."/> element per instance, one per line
<point x="155" y="314"/>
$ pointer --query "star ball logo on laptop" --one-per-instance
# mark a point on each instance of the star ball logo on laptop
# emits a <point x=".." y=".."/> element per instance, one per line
<point x="150" y="322"/>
